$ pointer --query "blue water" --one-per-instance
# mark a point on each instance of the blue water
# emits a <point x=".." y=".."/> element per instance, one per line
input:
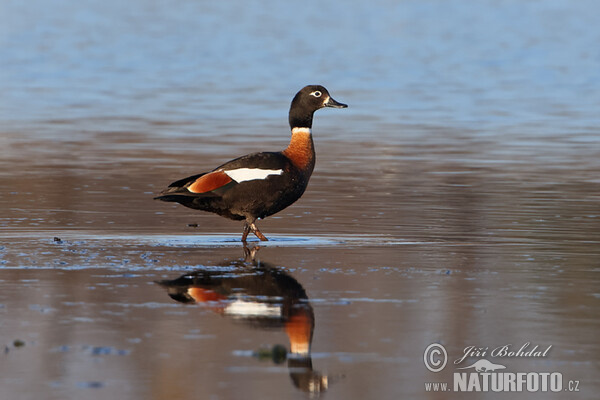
<point x="484" y="65"/>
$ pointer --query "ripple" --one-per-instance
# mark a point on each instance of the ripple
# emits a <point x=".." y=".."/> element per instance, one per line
<point x="226" y="239"/>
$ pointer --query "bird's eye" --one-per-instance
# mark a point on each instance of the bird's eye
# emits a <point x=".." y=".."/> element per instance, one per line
<point x="316" y="94"/>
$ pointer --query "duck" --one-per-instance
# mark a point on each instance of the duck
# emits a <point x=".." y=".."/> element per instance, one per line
<point x="258" y="185"/>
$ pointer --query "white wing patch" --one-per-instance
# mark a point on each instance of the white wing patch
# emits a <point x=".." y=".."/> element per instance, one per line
<point x="249" y="174"/>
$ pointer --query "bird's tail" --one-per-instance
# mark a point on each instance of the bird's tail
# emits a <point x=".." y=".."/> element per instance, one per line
<point x="177" y="190"/>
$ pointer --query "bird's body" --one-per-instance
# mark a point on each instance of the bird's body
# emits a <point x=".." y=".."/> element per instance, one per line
<point x="257" y="185"/>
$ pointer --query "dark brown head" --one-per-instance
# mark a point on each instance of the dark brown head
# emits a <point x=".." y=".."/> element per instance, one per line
<point x="306" y="102"/>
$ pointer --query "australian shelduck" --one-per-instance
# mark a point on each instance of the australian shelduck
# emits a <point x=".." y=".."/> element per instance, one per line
<point x="257" y="185"/>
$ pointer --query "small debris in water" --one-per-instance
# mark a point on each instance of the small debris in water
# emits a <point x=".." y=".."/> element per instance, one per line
<point x="16" y="344"/>
<point x="192" y="225"/>
<point x="277" y="354"/>
<point x="57" y="240"/>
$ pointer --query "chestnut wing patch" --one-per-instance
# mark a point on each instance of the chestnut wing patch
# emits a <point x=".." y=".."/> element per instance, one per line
<point x="209" y="182"/>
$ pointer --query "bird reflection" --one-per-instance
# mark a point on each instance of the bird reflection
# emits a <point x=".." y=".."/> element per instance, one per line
<point x="264" y="296"/>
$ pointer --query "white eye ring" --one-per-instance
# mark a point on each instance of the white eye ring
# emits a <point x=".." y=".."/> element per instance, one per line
<point x="316" y="94"/>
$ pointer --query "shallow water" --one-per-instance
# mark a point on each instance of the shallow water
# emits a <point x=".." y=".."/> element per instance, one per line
<point x="456" y="200"/>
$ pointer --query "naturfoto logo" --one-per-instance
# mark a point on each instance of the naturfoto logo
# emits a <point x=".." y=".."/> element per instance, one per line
<point x="484" y="375"/>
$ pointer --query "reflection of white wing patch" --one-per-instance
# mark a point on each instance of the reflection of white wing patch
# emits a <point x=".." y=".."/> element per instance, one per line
<point x="241" y="308"/>
<point x="249" y="174"/>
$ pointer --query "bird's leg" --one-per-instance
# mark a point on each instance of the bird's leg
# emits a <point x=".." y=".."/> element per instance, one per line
<point x="246" y="231"/>
<point x="258" y="234"/>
